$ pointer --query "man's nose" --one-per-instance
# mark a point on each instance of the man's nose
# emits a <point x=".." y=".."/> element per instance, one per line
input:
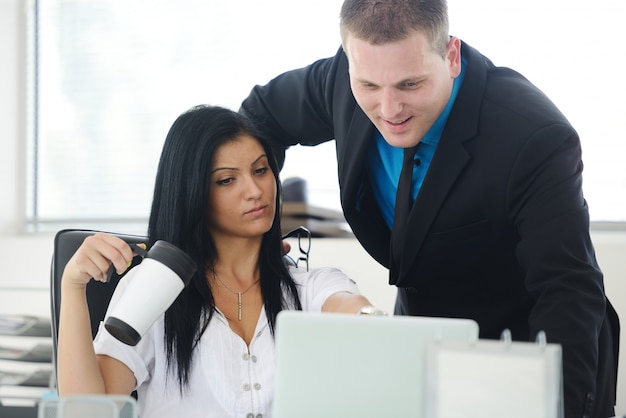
<point x="390" y="104"/>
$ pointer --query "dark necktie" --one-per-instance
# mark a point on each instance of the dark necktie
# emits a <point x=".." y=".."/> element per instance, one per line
<point x="403" y="203"/>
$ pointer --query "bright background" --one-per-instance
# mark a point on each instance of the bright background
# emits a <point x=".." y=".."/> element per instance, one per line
<point x="113" y="75"/>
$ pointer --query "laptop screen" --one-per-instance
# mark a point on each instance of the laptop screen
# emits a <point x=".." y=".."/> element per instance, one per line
<point x="339" y="365"/>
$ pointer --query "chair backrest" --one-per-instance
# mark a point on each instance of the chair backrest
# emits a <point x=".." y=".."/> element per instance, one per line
<point x="66" y="242"/>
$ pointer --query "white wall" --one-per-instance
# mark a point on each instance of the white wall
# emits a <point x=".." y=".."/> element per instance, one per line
<point x="25" y="259"/>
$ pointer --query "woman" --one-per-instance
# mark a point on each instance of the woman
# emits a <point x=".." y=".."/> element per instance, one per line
<point x="216" y="197"/>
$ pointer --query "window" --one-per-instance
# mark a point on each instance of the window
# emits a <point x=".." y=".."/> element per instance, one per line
<point x="110" y="76"/>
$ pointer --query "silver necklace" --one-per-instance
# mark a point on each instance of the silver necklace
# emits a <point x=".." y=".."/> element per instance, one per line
<point x="239" y="294"/>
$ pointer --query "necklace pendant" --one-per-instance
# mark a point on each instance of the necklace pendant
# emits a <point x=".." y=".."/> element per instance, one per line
<point x="239" y="305"/>
<point x="239" y="294"/>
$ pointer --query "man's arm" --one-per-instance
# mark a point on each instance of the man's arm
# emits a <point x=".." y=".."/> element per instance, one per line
<point x="555" y="249"/>
<point x="295" y="107"/>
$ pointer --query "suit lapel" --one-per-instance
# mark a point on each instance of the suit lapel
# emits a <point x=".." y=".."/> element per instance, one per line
<point x="354" y="158"/>
<point x="360" y="208"/>
<point x="448" y="163"/>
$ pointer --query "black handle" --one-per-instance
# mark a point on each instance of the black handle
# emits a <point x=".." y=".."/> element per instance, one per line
<point x="137" y="249"/>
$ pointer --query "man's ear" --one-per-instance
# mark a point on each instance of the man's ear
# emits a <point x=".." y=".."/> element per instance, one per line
<point x="453" y="56"/>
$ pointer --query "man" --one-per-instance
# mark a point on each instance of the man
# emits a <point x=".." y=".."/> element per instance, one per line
<point x="499" y="228"/>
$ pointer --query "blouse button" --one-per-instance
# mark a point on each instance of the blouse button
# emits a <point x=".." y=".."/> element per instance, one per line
<point x="246" y="387"/>
<point x="250" y="415"/>
<point x="245" y="356"/>
<point x="253" y="359"/>
<point x="259" y="415"/>
<point x="257" y="386"/>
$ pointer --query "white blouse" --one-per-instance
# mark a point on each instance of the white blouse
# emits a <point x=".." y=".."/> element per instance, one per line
<point x="227" y="378"/>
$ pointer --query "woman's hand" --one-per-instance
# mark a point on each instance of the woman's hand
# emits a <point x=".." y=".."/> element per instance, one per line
<point x="94" y="257"/>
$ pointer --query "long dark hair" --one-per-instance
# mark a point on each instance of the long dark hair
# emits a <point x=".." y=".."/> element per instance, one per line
<point x="180" y="216"/>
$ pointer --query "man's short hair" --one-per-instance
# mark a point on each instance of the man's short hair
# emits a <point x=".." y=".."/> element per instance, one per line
<point x="384" y="21"/>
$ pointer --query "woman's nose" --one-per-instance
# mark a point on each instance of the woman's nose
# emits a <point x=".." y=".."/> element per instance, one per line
<point x="253" y="190"/>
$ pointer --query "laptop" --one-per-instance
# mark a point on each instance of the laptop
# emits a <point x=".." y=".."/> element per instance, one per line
<point x="339" y="365"/>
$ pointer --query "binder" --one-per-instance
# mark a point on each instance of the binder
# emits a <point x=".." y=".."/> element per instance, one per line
<point x="489" y="379"/>
<point x="26" y="369"/>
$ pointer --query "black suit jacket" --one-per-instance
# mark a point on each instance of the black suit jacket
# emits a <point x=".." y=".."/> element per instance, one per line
<point x="499" y="232"/>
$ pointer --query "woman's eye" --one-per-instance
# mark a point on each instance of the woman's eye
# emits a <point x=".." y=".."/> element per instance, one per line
<point x="224" y="182"/>
<point x="261" y="170"/>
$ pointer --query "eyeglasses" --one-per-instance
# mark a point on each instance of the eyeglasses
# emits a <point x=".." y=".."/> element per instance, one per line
<point x="304" y="244"/>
